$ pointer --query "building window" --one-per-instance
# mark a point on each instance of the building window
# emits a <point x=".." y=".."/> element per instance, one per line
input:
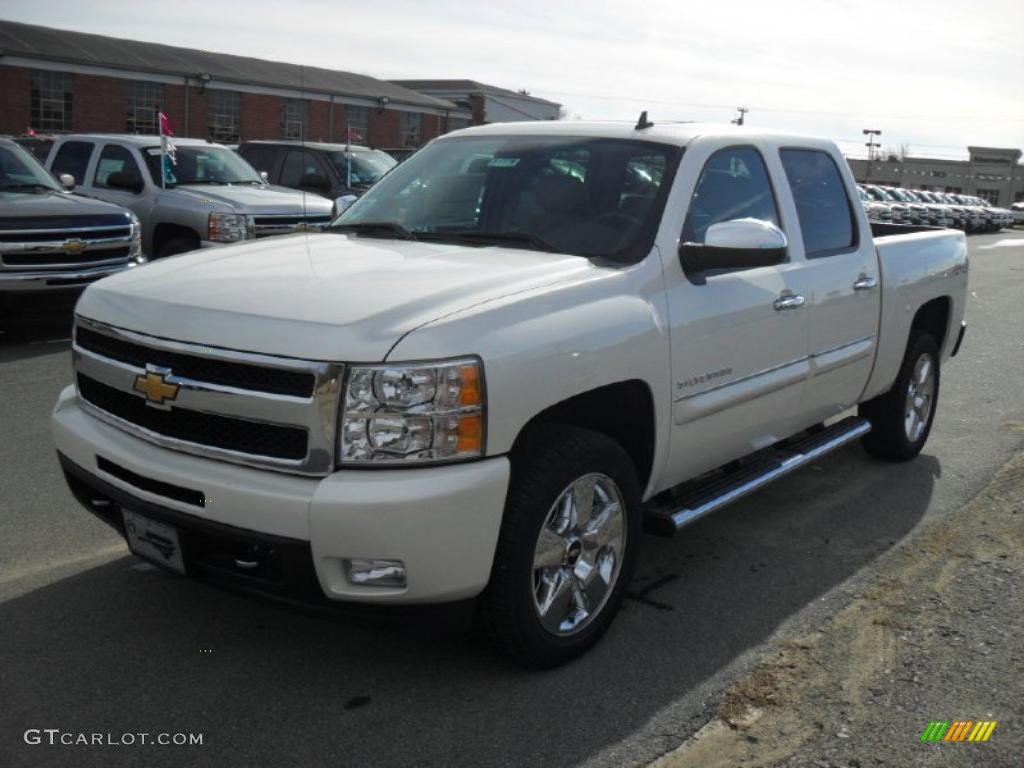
<point x="409" y="124"/>
<point x="145" y="103"/>
<point x="51" y="96"/>
<point x="992" y="195"/>
<point x="224" y="115"/>
<point x="358" y="119"/>
<point x="294" y="113"/>
<point x="954" y="190"/>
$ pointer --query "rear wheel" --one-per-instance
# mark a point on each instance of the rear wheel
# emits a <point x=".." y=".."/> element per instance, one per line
<point x="901" y="419"/>
<point x="567" y="545"/>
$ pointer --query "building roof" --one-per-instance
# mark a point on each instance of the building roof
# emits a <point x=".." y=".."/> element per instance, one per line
<point x="466" y="87"/>
<point x="61" y="45"/>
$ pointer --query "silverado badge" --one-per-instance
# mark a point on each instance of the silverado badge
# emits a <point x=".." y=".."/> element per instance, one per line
<point x="153" y="384"/>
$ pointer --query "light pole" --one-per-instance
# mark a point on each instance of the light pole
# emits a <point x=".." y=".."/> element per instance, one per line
<point x="871" y="144"/>
<point x="739" y="120"/>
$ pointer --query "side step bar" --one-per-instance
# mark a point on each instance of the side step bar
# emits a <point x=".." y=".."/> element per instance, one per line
<point x="668" y="512"/>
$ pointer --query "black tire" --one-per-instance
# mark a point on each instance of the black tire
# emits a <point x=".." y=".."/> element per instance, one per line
<point x="888" y="438"/>
<point x="176" y="245"/>
<point x="544" y="465"/>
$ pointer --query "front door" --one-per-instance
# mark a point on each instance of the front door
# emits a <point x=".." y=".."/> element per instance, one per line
<point x="738" y="338"/>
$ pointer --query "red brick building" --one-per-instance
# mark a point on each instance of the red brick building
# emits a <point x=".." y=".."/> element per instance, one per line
<point x="59" y="81"/>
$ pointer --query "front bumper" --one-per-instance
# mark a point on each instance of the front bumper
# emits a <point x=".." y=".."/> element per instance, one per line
<point x="56" y="280"/>
<point x="441" y="522"/>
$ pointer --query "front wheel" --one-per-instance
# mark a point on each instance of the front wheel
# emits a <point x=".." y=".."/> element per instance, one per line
<point x="901" y="419"/>
<point x="567" y="545"/>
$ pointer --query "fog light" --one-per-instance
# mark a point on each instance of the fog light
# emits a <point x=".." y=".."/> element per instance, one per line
<point x="376" y="573"/>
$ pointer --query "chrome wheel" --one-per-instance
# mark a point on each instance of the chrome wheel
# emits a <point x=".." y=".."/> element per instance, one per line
<point x="579" y="552"/>
<point x="920" y="398"/>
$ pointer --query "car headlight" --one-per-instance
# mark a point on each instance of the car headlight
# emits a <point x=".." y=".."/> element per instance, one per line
<point x="135" y="249"/>
<point x="229" y="227"/>
<point x="402" y="414"/>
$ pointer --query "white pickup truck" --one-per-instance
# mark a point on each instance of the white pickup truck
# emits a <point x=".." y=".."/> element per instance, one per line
<point x="517" y="349"/>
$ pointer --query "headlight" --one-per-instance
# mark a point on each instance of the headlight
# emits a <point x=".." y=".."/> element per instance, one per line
<point x="229" y="227"/>
<point x="400" y="414"/>
<point x="135" y="249"/>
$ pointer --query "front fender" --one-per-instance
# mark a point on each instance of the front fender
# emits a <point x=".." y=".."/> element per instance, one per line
<point x="543" y="346"/>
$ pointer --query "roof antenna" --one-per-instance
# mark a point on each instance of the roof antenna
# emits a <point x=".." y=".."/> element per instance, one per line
<point x="643" y="122"/>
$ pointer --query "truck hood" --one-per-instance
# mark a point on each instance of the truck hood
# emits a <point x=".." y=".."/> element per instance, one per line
<point x="249" y="198"/>
<point x="318" y="296"/>
<point x="25" y="205"/>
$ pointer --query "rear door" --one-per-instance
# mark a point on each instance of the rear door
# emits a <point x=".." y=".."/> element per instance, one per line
<point x="843" y="282"/>
<point x="739" y="354"/>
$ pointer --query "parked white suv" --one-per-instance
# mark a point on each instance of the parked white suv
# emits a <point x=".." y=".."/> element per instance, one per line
<point x="516" y="348"/>
<point x="213" y="196"/>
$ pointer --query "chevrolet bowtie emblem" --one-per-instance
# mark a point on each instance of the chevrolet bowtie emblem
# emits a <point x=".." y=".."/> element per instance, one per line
<point x="154" y="386"/>
<point x="72" y="247"/>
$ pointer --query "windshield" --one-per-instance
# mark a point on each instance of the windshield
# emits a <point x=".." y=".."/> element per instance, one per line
<point x="203" y="164"/>
<point x="367" y="167"/>
<point x="22" y="172"/>
<point x="584" y="196"/>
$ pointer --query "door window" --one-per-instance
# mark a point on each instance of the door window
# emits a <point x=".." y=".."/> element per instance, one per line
<point x="73" y="157"/>
<point x="822" y="206"/>
<point x="115" y="159"/>
<point x="303" y="170"/>
<point x="734" y="184"/>
<point x="260" y="158"/>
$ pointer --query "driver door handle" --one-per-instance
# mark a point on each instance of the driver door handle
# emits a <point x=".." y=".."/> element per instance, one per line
<point x="788" y="301"/>
<point x="865" y="283"/>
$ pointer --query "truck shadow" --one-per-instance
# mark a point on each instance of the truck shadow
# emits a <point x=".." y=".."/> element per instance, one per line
<point x="125" y="648"/>
<point x="36" y="340"/>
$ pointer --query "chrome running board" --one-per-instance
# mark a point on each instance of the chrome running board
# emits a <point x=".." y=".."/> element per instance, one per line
<point x="669" y="511"/>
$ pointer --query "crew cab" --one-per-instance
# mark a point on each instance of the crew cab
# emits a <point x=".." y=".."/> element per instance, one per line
<point x="334" y="171"/>
<point x="52" y="242"/>
<point x="211" y="197"/>
<point x="484" y="379"/>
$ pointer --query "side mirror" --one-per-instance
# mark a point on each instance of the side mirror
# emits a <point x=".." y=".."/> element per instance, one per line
<point x="67" y="181"/>
<point x="342" y="203"/>
<point x="129" y="182"/>
<point x="265" y="176"/>
<point x="314" y="181"/>
<point x="737" y="244"/>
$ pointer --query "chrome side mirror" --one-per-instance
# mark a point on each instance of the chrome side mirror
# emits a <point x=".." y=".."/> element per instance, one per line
<point x="67" y="181"/>
<point x="265" y="176"/>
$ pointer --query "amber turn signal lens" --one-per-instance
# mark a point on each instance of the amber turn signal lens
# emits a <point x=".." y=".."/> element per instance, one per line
<point x="469" y="385"/>
<point x="471" y="433"/>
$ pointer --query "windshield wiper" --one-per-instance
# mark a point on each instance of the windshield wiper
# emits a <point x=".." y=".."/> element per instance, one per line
<point x="521" y="239"/>
<point x="392" y="228"/>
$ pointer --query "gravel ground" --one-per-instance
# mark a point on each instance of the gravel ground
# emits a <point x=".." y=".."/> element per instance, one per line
<point x="937" y="635"/>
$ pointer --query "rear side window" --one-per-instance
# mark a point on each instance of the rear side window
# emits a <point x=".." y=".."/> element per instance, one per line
<point x="73" y="157"/>
<point x="822" y="206"/>
<point x="115" y="159"/>
<point x="734" y="184"/>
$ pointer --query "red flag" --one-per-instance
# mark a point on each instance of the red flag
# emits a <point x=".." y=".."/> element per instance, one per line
<point x="165" y="125"/>
<point x="31" y="131"/>
<point x="353" y="135"/>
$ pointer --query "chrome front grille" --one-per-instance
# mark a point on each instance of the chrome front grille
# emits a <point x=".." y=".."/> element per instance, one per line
<point x="284" y="224"/>
<point x="64" y="242"/>
<point x="259" y="410"/>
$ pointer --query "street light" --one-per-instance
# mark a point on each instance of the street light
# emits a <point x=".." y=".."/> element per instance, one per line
<point x="871" y="133"/>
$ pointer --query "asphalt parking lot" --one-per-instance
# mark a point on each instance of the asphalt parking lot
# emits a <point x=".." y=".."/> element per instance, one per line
<point x="92" y="640"/>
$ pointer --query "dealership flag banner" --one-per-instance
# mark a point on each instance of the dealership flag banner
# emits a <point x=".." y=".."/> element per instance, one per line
<point x="168" y="158"/>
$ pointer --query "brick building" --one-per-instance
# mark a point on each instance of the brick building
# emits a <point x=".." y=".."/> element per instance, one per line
<point x="486" y="103"/>
<point x="58" y="81"/>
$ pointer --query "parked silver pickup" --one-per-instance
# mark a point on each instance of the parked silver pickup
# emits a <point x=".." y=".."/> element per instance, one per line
<point x="212" y="196"/>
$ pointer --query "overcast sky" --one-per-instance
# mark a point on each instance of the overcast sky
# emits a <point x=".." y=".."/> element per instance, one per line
<point x="935" y="74"/>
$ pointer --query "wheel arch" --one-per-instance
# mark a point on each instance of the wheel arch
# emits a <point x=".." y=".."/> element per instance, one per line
<point x="166" y="231"/>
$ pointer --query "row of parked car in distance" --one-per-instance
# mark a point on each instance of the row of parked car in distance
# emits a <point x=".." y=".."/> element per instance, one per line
<point x="895" y="205"/>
